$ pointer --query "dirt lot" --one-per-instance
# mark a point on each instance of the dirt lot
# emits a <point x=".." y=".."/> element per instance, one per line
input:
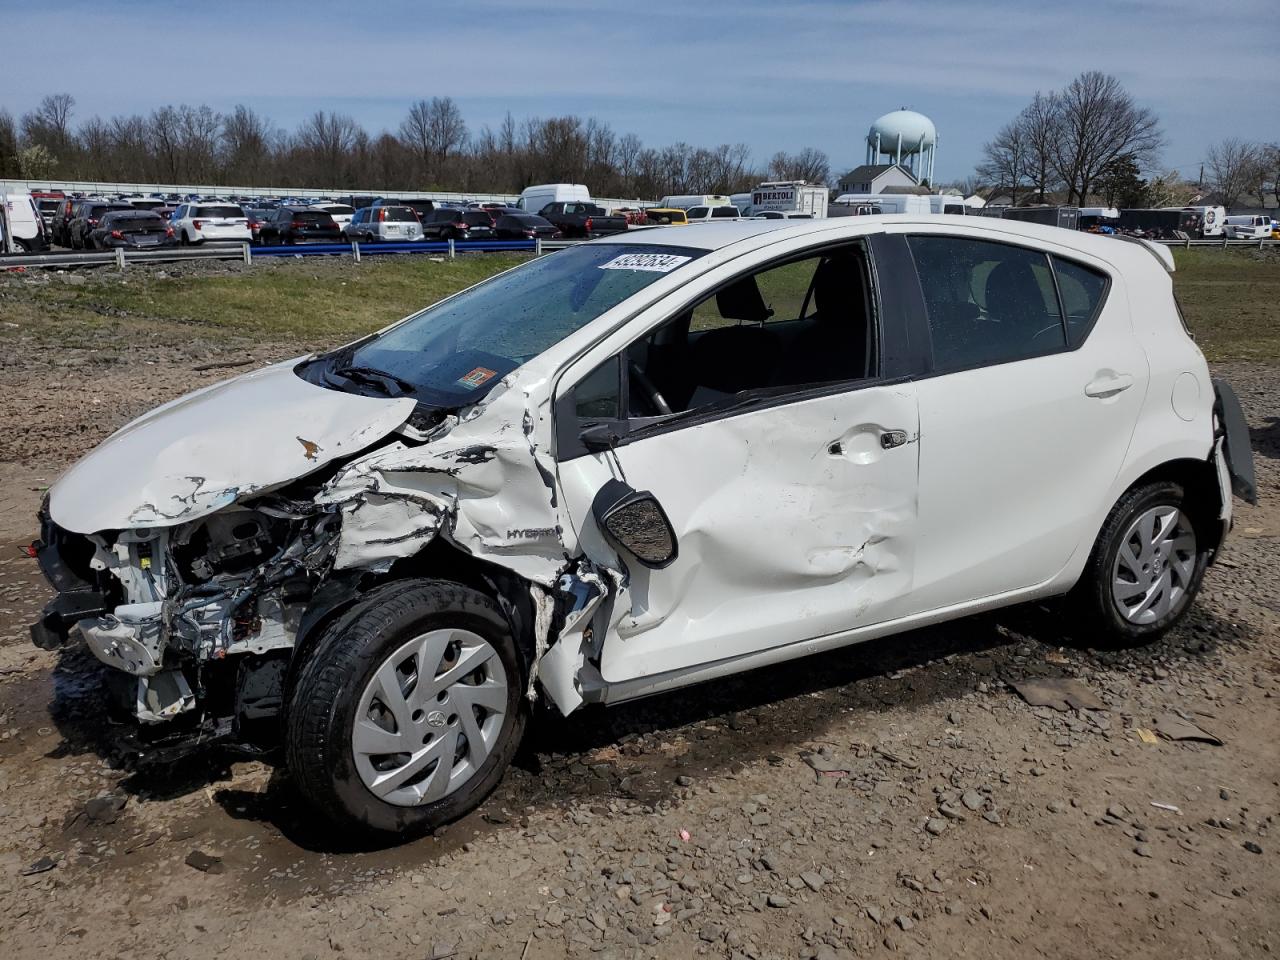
<point x="895" y="797"/>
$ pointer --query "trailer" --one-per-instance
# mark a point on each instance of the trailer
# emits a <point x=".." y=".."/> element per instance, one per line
<point x="790" y="196"/>
<point x="1066" y="217"/>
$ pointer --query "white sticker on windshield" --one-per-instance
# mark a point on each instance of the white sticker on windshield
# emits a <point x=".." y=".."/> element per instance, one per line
<point x="654" y="262"/>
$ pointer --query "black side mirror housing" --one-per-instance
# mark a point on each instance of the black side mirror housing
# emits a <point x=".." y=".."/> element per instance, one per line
<point x="634" y="520"/>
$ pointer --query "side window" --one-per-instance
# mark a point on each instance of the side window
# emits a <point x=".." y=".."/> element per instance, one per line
<point x="803" y="323"/>
<point x="724" y="212"/>
<point x="988" y="302"/>
<point x="599" y="395"/>
<point x="696" y="213"/>
<point x="1083" y="291"/>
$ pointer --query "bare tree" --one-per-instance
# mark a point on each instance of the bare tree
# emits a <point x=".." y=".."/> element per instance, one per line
<point x="810" y="164"/>
<point x="1232" y="167"/>
<point x="49" y="124"/>
<point x="434" y="130"/>
<point x="1039" y="126"/>
<point x="1005" y="160"/>
<point x="1098" y="121"/>
<point x="246" y="145"/>
<point x="325" y="144"/>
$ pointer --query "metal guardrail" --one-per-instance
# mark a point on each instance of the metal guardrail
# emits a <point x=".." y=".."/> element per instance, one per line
<point x="1259" y="242"/>
<point x="121" y="258"/>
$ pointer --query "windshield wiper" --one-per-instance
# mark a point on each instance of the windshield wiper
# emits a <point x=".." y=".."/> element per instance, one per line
<point x="376" y="377"/>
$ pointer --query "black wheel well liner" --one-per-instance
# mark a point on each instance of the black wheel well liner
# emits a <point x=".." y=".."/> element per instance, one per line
<point x="439" y="560"/>
<point x="1199" y="480"/>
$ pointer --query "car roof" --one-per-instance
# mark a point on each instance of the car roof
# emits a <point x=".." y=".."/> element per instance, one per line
<point x="712" y="235"/>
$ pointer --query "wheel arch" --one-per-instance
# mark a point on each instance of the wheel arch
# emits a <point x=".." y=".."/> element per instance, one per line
<point x="342" y="594"/>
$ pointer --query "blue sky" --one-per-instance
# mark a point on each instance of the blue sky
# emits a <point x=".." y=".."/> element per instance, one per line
<point x="772" y="74"/>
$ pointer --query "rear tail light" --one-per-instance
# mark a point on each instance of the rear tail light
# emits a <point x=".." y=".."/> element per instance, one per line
<point x="587" y="225"/>
<point x="168" y="231"/>
<point x="197" y="224"/>
<point x="298" y="224"/>
<point x="117" y="235"/>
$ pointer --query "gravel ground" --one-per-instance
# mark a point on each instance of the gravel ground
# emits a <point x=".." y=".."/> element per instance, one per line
<point x="894" y="797"/>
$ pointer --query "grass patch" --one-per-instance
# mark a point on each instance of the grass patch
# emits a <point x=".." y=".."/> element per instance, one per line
<point x="308" y="301"/>
<point x="1231" y="299"/>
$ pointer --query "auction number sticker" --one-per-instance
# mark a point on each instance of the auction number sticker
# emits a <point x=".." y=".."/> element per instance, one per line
<point x="653" y="262"/>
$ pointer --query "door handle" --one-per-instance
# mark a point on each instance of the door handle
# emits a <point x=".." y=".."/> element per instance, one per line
<point x="1108" y="386"/>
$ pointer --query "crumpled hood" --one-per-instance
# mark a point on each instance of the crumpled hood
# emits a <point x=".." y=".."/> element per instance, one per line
<point x="195" y="455"/>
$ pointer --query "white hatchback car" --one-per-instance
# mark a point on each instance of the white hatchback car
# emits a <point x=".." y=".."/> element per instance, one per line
<point x="201" y="222"/>
<point x="637" y="464"/>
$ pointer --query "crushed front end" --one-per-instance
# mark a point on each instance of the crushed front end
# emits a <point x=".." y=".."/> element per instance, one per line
<point x="197" y="621"/>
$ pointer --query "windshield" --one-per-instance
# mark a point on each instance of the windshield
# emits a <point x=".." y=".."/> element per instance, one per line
<point x="455" y="352"/>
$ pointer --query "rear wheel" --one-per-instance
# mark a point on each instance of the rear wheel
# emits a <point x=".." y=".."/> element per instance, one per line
<point x="1145" y="570"/>
<point x="408" y="711"/>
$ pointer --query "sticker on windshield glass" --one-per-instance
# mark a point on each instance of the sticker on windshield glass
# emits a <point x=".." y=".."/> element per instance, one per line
<point x="653" y="262"/>
<point x="477" y="377"/>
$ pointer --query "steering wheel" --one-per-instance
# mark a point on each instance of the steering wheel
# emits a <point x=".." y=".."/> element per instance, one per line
<point x="652" y="392"/>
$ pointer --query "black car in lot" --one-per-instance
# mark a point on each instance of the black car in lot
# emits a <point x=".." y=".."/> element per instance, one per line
<point x="133" y="230"/>
<point x="452" y="224"/>
<point x="524" y="226"/>
<point x="291" y="225"/>
<point x="85" y="217"/>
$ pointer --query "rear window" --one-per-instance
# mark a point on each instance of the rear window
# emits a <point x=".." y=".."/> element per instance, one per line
<point x="724" y="212"/>
<point x="477" y="219"/>
<point x="339" y="208"/>
<point x="312" y="217"/>
<point x="397" y="215"/>
<point x="219" y="211"/>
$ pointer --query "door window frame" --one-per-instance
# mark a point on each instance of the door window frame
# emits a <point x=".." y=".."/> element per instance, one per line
<point x="1050" y="256"/>
<point x="894" y="359"/>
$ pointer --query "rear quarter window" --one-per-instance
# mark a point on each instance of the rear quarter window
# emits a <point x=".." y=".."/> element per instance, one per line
<point x="1083" y="291"/>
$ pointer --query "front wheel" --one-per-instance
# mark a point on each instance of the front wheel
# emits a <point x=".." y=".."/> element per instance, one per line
<point x="408" y="711"/>
<point x="1145" y="570"/>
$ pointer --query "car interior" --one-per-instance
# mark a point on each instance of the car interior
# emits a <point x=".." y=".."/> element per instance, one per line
<point x="806" y="322"/>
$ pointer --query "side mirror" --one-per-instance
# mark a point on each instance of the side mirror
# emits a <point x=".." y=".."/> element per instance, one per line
<point x="634" y="520"/>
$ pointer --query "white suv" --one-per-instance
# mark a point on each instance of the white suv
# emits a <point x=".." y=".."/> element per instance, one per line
<point x="637" y="464"/>
<point x="200" y="222"/>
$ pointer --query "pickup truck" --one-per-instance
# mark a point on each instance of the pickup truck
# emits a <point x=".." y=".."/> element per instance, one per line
<point x="576" y="219"/>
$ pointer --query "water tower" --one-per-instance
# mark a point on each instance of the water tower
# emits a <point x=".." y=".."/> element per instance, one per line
<point x="904" y="137"/>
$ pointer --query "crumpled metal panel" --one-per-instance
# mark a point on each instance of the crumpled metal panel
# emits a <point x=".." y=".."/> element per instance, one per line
<point x="482" y="481"/>
<point x="198" y="454"/>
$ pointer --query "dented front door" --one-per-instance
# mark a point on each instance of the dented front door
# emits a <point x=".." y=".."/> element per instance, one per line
<point x="794" y="522"/>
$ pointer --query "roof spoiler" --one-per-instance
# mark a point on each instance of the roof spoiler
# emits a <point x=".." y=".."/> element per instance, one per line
<point x="1157" y="250"/>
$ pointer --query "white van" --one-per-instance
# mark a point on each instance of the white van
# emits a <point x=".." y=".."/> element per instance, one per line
<point x="532" y="199"/>
<point x="22" y="229"/>
<point x="684" y="202"/>
<point x="1247" y="227"/>
<point x="742" y="201"/>
<point x="1211" y="219"/>
<point x="862" y="204"/>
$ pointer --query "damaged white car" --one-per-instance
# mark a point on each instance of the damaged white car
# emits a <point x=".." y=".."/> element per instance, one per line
<point x="637" y="464"/>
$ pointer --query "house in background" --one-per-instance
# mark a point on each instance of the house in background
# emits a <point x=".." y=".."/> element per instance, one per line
<point x="875" y="178"/>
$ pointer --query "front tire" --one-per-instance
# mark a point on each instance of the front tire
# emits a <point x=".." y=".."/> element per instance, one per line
<point x="1145" y="570"/>
<point x="409" y="709"/>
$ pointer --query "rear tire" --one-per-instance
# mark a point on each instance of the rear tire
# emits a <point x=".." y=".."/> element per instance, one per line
<point x="1145" y="569"/>
<point x="369" y="687"/>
